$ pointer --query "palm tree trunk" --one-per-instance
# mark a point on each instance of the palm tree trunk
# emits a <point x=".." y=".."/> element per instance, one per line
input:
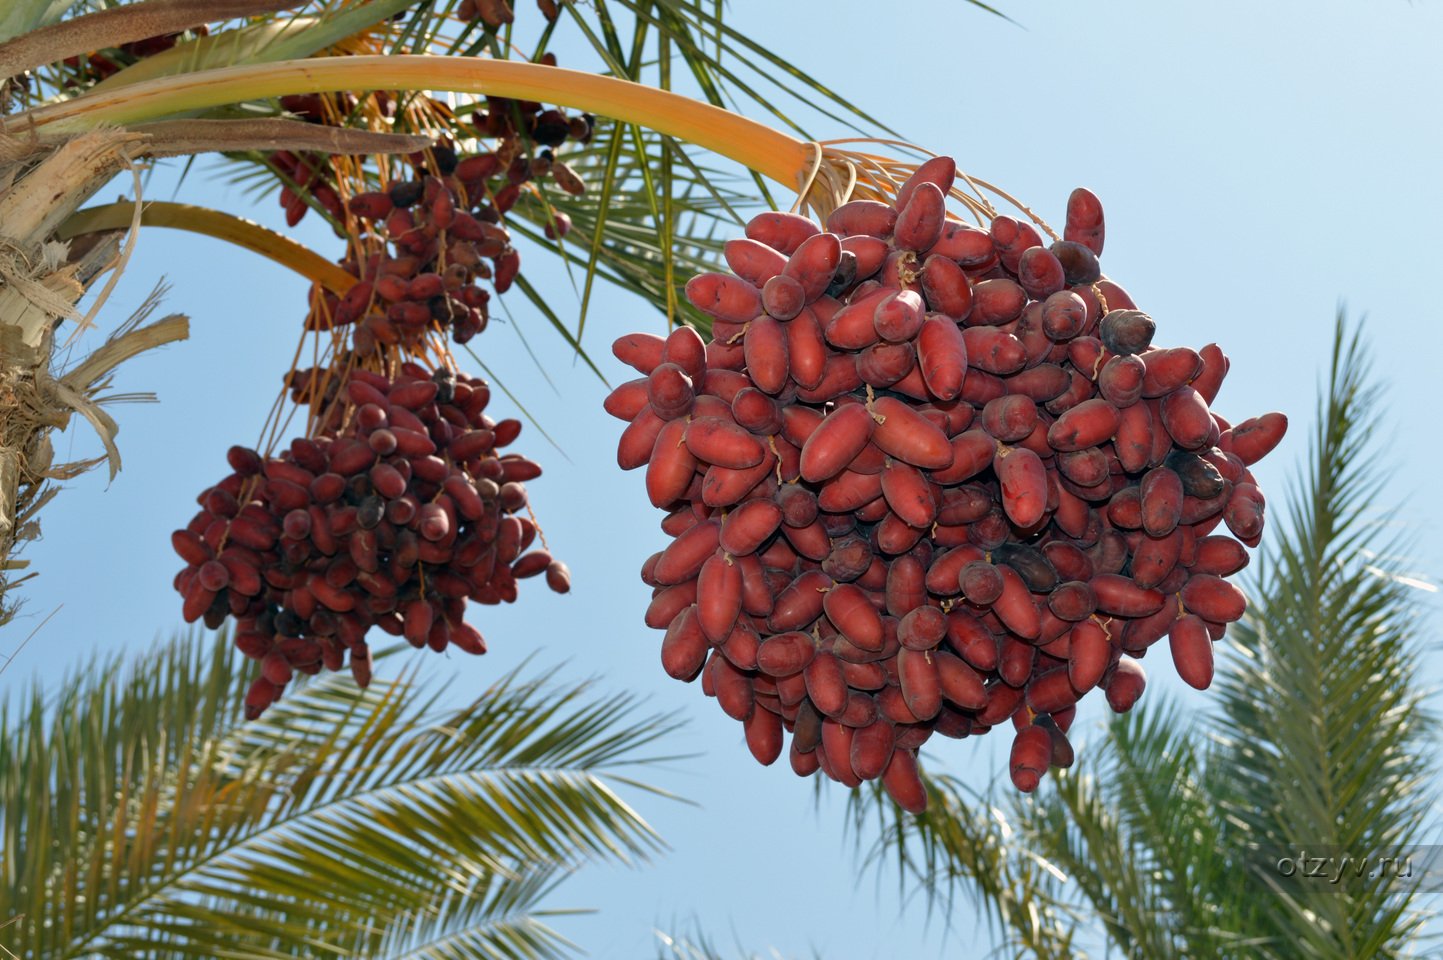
<point x="41" y="282"/>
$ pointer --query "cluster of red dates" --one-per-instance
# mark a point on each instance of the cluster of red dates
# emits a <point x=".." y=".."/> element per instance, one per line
<point x="395" y="520"/>
<point x="927" y="478"/>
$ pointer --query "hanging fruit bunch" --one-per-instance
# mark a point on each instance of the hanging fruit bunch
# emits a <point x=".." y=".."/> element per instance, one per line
<point x="399" y="503"/>
<point x="930" y="477"/>
<point x="393" y="517"/>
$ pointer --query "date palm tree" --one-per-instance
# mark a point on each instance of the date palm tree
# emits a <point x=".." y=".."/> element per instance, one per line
<point x="1178" y="835"/>
<point x="138" y="814"/>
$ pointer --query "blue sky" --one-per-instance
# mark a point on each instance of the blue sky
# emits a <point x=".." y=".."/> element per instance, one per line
<point x="1259" y="164"/>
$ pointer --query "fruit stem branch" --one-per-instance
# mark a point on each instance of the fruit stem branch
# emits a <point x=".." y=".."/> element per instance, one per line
<point x="213" y="223"/>
<point x="755" y="145"/>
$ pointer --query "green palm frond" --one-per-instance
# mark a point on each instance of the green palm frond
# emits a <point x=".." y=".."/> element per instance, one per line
<point x="966" y="843"/>
<point x="620" y="232"/>
<point x="1150" y="778"/>
<point x="731" y="69"/>
<point x="503" y="921"/>
<point x="136" y="809"/>
<point x="690" y="940"/>
<point x="1139" y="837"/>
<point x="1325" y="732"/>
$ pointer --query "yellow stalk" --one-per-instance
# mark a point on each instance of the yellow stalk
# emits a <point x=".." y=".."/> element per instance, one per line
<point x="213" y="223"/>
<point x="755" y="145"/>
